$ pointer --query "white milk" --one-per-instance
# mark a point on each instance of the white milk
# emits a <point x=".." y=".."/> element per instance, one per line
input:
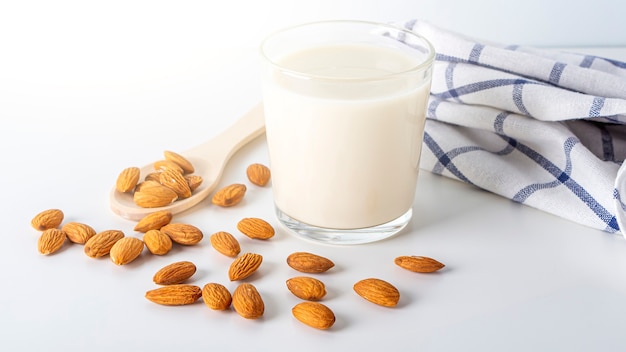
<point x="344" y="155"/>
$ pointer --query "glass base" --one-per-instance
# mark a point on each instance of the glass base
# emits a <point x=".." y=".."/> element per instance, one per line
<point x="345" y="236"/>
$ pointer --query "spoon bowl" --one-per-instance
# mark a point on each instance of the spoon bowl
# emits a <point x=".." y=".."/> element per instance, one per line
<point x="209" y="160"/>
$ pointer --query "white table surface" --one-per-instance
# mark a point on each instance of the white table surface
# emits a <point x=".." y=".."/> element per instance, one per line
<point x="516" y="279"/>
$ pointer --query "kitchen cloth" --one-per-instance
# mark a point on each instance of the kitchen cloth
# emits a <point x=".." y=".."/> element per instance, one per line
<point x="541" y="127"/>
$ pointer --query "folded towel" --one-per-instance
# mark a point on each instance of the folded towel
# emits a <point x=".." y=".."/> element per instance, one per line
<point x="540" y="127"/>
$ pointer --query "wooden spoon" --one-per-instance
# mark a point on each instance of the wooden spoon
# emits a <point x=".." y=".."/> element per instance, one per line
<point x="209" y="160"/>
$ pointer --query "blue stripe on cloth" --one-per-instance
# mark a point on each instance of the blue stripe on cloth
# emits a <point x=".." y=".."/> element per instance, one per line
<point x="617" y="196"/>
<point x="483" y="85"/>
<point x="443" y="160"/>
<point x="587" y="61"/>
<point x="606" y="138"/>
<point x="555" y="74"/>
<point x="498" y="123"/>
<point x="518" y="98"/>
<point x="432" y="108"/>
<point x="498" y="127"/>
<point x="615" y="63"/>
<point x="563" y="177"/>
<point x="608" y="153"/>
<point x="450" y="82"/>
<point x="475" y="53"/>
<point x="596" y="106"/>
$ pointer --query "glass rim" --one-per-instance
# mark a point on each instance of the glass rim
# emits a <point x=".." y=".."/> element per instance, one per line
<point x="427" y="62"/>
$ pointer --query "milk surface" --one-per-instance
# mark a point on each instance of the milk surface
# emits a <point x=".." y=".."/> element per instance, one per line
<point x="344" y="148"/>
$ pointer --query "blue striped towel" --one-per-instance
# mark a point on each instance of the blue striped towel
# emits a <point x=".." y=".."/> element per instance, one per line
<point x="540" y="127"/>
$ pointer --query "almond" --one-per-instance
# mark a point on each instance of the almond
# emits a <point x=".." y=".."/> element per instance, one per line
<point x="125" y="250"/>
<point x="378" y="291"/>
<point x="174" y="273"/>
<point x="154" y="221"/>
<point x="308" y="288"/>
<point x="175" y="295"/>
<point x="157" y="242"/>
<point x="225" y="243"/>
<point x="100" y="244"/>
<point x="47" y="219"/>
<point x="256" y="228"/>
<point x="153" y="176"/>
<point x="175" y="181"/>
<point x="244" y="266"/>
<point x="184" y="234"/>
<point x="194" y="181"/>
<point x="147" y="184"/>
<point x="179" y="160"/>
<point x="154" y="196"/>
<point x="163" y="165"/>
<point x="308" y="262"/>
<point x="78" y="232"/>
<point x="314" y="314"/>
<point x="216" y="296"/>
<point x="127" y="179"/>
<point x="229" y="195"/>
<point x="418" y="264"/>
<point x="258" y="174"/>
<point x="247" y="301"/>
<point x="50" y="241"/>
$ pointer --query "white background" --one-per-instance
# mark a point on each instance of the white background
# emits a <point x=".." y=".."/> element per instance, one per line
<point x="88" y="88"/>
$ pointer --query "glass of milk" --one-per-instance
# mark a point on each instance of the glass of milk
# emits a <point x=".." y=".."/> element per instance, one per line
<point x="345" y="105"/>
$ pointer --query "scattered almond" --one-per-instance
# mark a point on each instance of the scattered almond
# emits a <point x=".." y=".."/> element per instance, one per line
<point x="247" y="301"/>
<point x="50" y="241"/>
<point x="125" y="250"/>
<point x="179" y="160"/>
<point x="100" y="244"/>
<point x="378" y="291"/>
<point x="127" y="179"/>
<point x="225" y="243"/>
<point x="154" y="221"/>
<point x="309" y="263"/>
<point x="258" y="174"/>
<point x="47" y="219"/>
<point x="157" y="242"/>
<point x="175" y="181"/>
<point x="418" y="264"/>
<point x="154" y="196"/>
<point x="216" y="296"/>
<point x="314" y="314"/>
<point x="78" y="232"/>
<point x="174" y="273"/>
<point x="229" y="195"/>
<point x="256" y="228"/>
<point x="308" y="288"/>
<point x="175" y="295"/>
<point x="184" y="234"/>
<point x="244" y="266"/>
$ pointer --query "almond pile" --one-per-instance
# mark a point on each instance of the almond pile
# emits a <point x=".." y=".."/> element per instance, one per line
<point x="172" y="179"/>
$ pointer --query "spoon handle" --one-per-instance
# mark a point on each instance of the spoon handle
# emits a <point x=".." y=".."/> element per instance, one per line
<point x="224" y="145"/>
